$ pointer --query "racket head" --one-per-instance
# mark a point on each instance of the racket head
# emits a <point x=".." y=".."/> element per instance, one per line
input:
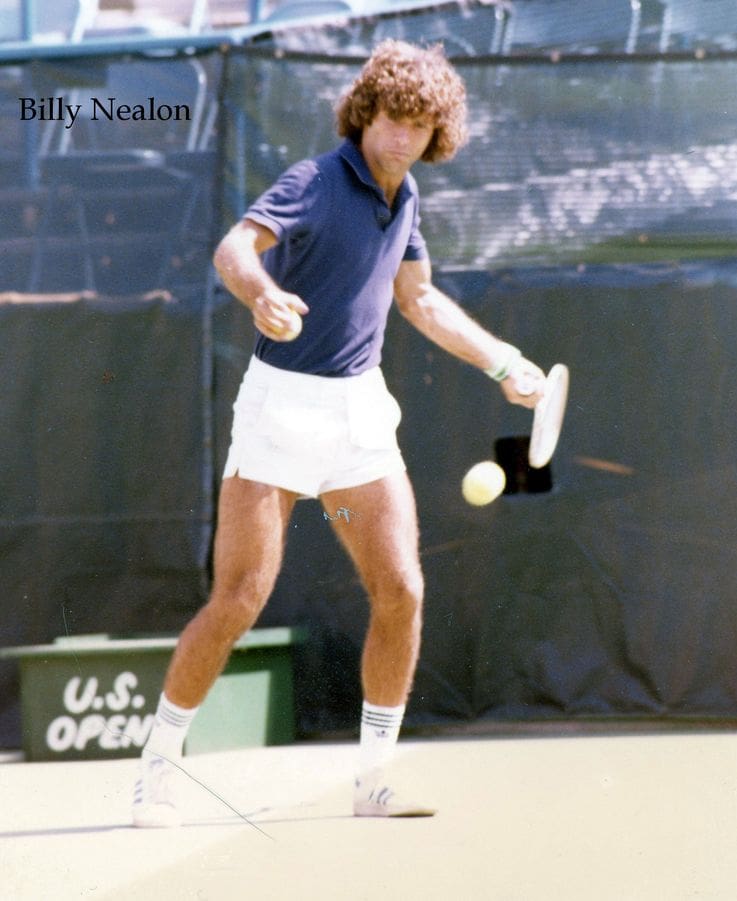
<point x="547" y="421"/>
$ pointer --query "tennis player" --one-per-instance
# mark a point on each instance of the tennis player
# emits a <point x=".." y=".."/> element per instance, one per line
<point x="335" y="240"/>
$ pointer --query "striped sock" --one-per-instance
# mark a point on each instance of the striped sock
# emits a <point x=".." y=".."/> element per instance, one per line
<point x="170" y="729"/>
<point x="379" y="733"/>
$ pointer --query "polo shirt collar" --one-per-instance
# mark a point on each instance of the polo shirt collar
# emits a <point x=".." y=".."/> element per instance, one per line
<point x="351" y="153"/>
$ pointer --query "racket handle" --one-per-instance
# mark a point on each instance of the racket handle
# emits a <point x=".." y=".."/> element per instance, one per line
<point x="525" y="385"/>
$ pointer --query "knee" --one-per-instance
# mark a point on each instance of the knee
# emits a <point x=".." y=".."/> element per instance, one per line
<point x="399" y="597"/>
<point x="238" y="606"/>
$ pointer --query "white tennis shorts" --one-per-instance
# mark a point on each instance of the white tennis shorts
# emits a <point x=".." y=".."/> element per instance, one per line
<point x="311" y="434"/>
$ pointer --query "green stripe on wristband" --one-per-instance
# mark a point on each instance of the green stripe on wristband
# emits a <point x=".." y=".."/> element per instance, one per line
<point x="500" y="372"/>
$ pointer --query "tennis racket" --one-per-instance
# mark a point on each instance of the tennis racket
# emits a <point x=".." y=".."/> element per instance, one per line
<point x="548" y="417"/>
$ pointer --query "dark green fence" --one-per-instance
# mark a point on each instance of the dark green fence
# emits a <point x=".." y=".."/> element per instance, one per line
<point x="591" y="219"/>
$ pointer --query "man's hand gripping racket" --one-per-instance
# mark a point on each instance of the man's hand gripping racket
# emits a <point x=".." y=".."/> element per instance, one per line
<point x="549" y="412"/>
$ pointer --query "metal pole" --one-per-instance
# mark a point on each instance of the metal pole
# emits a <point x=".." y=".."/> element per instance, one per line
<point x="30" y="131"/>
<point x="27" y="17"/>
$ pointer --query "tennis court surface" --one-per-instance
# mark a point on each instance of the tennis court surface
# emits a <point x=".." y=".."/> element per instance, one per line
<point x="520" y="819"/>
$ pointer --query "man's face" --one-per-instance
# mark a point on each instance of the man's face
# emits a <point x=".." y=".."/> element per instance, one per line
<point x="392" y="146"/>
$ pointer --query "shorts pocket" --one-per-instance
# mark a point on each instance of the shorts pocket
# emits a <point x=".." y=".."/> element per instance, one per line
<point x="249" y="406"/>
<point x="373" y="420"/>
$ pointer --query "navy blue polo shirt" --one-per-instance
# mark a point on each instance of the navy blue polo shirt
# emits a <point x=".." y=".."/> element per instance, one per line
<point x="340" y="246"/>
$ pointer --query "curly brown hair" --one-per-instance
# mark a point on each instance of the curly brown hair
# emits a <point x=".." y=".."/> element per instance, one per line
<point x="406" y="81"/>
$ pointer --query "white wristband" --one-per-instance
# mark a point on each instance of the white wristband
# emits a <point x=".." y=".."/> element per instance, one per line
<point x="512" y="355"/>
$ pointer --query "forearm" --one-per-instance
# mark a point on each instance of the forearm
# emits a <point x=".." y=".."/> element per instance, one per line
<point x="444" y="322"/>
<point x="238" y="262"/>
<point x="239" y="266"/>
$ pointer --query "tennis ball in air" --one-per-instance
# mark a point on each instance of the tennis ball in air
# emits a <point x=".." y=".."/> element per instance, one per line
<point x="294" y="328"/>
<point x="483" y="483"/>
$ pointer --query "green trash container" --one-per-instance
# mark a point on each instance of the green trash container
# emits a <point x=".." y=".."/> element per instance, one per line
<point x="94" y="697"/>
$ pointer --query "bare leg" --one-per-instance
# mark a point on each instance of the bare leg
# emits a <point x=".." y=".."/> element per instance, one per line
<point x="248" y="553"/>
<point x="379" y="531"/>
<point x="252" y="522"/>
<point x="377" y="524"/>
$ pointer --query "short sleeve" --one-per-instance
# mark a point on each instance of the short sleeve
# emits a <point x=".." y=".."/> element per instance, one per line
<point x="416" y="248"/>
<point x="289" y="203"/>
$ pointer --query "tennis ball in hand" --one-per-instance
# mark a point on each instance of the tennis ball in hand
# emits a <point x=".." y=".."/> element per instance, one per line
<point x="483" y="483"/>
<point x="290" y="332"/>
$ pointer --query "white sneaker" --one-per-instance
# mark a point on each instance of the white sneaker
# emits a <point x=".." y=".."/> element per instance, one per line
<point x="374" y="799"/>
<point x="153" y="800"/>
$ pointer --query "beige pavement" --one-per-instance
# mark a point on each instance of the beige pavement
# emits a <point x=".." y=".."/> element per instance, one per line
<point x="626" y="818"/>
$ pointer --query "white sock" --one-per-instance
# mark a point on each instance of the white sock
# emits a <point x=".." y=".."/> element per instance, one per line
<point x="379" y="733"/>
<point x="170" y="729"/>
